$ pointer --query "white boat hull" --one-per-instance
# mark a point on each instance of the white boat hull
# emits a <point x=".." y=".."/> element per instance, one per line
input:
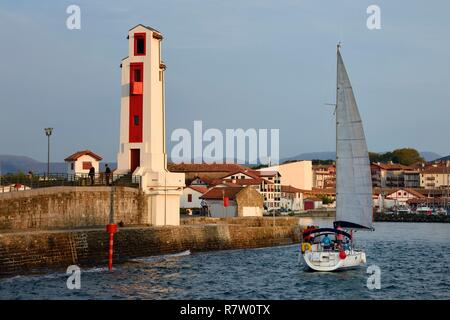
<point x="331" y="261"/>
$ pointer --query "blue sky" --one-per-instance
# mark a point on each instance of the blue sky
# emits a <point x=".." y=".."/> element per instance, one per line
<point x="231" y="64"/>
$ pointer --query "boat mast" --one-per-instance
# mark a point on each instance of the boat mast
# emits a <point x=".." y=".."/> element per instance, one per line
<point x="335" y="113"/>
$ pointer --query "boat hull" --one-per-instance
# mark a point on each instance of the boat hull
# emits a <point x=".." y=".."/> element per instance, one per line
<point x="331" y="261"/>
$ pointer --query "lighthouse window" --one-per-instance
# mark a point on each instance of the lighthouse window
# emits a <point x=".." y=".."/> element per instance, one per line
<point x="139" y="44"/>
<point x="136" y="120"/>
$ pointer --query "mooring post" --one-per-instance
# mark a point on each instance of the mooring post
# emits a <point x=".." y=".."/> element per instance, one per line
<point x="111" y="228"/>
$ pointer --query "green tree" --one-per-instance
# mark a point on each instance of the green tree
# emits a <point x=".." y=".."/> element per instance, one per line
<point x="325" y="199"/>
<point x="406" y="156"/>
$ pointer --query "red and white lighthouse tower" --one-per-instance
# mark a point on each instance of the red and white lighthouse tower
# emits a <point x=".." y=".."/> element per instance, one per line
<point x="142" y="126"/>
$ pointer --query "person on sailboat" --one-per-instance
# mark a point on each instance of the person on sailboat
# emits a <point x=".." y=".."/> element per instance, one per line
<point x="339" y="238"/>
<point x="326" y="242"/>
<point x="346" y="245"/>
<point x="309" y="237"/>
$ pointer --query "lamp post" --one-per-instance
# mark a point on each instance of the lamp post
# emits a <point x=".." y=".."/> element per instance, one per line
<point x="48" y="133"/>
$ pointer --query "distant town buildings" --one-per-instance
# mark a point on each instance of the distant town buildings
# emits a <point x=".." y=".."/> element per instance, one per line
<point x="291" y="198"/>
<point x="296" y="173"/>
<point x="435" y="177"/>
<point x="395" y="185"/>
<point x="394" y="175"/>
<point x="324" y="176"/>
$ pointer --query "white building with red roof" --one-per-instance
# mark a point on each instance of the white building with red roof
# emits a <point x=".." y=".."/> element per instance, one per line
<point x="190" y="198"/>
<point x="242" y="202"/>
<point x="79" y="163"/>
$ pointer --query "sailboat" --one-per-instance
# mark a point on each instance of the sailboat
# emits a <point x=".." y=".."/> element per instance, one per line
<point x="353" y="189"/>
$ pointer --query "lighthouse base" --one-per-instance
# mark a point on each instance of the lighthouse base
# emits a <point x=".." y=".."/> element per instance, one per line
<point x="163" y="190"/>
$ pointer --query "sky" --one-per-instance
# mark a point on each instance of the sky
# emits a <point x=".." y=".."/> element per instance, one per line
<point x="231" y="64"/>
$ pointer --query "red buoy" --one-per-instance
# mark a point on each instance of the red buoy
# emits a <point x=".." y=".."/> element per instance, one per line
<point x="111" y="229"/>
<point x="342" y="255"/>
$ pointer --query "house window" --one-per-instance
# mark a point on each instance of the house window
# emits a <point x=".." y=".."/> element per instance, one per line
<point x="136" y="120"/>
<point x="139" y="44"/>
<point x="72" y="166"/>
<point x="189" y="197"/>
<point x="87" y="165"/>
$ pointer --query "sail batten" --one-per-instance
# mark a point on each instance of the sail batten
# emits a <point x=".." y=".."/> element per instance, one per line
<point x="353" y="178"/>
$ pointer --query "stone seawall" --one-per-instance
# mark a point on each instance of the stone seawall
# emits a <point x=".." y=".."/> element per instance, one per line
<point x="71" y="207"/>
<point x="25" y="252"/>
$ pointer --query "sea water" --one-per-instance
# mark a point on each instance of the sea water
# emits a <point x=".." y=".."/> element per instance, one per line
<point x="414" y="260"/>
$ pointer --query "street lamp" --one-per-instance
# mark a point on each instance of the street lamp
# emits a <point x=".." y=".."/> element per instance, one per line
<point x="48" y="133"/>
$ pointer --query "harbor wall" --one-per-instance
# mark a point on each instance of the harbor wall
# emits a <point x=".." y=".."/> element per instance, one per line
<point x="26" y="252"/>
<point x="71" y="207"/>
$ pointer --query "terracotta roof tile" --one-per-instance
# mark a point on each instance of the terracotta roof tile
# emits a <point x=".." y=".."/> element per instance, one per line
<point x="218" y="193"/>
<point x="205" y="167"/>
<point x="291" y="189"/>
<point x="200" y="189"/>
<point x="78" y="154"/>
<point x="436" y="170"/>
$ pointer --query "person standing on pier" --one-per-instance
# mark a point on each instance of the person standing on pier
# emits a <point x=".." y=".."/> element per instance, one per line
<point x="107" y="174"/>
<point x="205" y="210"/>
<point x="92" y="175"/>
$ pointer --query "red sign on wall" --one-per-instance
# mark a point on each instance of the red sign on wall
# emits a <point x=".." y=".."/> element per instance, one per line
<point x="87" y="165"/>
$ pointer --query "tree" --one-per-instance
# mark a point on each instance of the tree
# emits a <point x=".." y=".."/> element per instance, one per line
<point x="407" y="156"/>
<point x="325" y="199"/>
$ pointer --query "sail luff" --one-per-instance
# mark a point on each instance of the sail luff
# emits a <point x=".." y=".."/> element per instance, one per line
<point x="353" y="178"/>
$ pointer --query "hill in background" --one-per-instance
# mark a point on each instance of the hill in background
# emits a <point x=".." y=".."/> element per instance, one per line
<point x="13" y="164"/>
<point x="331" y="155"/>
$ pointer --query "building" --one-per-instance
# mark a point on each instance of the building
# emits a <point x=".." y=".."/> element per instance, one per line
<point x="142" y="148"/>
<point x="199" y="181"/>
<point x="190" y="198"/>
<point x="312" y="203"/>
<point x="265" y="182"/>
<point x="324" y="176"/>
<point x="79" y="163"/>
<point x="394" y="175"/>
<point x="411" y="179"/>
<point x="296" y="173"/>
<point x="436" y="177"/>
<point x="292" y="198"/>
<point x="242" y="202"/>
<point x="270" y="189"/>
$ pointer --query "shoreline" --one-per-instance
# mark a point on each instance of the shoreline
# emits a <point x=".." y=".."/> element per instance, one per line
<point x="421" y="218"/>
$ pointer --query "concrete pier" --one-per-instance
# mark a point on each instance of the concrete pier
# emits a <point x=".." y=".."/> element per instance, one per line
<point x="30" y="251"/>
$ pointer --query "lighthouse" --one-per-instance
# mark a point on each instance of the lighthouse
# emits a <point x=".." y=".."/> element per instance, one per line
<point x="142" y="149"/>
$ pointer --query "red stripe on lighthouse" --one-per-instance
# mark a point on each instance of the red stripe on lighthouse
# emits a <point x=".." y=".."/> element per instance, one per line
<point x="136" y="101"/>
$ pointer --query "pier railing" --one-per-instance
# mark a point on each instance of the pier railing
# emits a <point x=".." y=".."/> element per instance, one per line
<point x="21" y="182"/>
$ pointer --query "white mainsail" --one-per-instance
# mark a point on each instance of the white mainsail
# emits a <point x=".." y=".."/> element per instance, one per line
<point x="353" y="177"/>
